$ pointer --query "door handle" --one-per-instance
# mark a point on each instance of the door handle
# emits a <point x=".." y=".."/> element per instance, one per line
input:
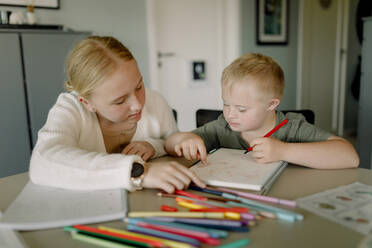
<point x="166" y="54"/>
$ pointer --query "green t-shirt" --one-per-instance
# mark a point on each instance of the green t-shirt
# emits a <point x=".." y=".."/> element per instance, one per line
<point x="217" y="134"/>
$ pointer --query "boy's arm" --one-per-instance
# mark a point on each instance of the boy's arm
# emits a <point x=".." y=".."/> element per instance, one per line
<point x="189" y="145"/>
<point x="334" y="153"/>
<point x="175" y="139"/>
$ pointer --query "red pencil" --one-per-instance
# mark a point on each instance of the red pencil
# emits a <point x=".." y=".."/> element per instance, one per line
<point x="191" y="195"/>
<point x="271" y="132"/>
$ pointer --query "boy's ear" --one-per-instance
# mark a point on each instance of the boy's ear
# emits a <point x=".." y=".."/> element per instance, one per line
<point x="87" y="104"/>
<point x="273" y="104"/>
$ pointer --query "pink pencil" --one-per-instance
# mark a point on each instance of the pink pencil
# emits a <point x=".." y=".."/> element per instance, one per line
<point x="268" y="199"/>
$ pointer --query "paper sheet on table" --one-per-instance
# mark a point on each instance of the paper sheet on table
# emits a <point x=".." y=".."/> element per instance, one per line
<point x="41" y="207"/>
<point x="349" y="205"/>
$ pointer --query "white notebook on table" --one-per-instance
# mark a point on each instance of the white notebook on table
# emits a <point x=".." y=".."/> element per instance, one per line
<point x="41" y="207"/>
<point x="233" y="168"/>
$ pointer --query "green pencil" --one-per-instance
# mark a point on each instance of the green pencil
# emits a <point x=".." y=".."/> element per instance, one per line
<point x="236" y="244"/>
<point x="97" y="241"/>
<point x="107" y="237"/>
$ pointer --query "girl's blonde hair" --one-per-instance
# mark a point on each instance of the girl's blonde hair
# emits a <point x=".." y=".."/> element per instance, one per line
<point x="91" y="61"/>
<point x="268" y="75"/>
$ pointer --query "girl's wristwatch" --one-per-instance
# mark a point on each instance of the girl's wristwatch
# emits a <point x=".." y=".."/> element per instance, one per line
<point x="136" y="175"/>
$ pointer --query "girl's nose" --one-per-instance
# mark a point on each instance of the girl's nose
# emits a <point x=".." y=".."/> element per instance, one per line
<point x="135" y="104"/>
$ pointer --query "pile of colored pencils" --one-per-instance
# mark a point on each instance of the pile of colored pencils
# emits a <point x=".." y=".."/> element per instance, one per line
<point x="208" y="221"/>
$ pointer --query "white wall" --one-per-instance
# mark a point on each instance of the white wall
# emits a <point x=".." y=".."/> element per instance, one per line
<point x="123" y="19"/>
<point x="191" y="30"/>
<point x="285" y="55"/>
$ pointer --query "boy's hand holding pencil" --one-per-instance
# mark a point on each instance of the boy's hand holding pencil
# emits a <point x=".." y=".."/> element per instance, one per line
<point x="267" y="150"/>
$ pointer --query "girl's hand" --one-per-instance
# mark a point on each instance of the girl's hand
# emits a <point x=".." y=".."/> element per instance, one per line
<point x="169" y="176"/>
<point x="267" y="150"/>
<point x="192" y="148"/>
<point x="142" y="148"/>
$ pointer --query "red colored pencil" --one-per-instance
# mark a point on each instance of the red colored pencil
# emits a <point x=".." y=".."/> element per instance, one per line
<point x="191" y="195"/>
<point x="271" y="132"/>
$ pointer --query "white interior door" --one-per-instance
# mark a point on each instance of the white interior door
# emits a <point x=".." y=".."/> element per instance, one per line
<point x="323" y="39"/>
<point x="185" y="31"/>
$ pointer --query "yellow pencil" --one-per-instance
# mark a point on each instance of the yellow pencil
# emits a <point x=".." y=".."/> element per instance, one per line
<point x="177" y="214"/>
<point x="189" y="205"/>
<point x="170" y="243"/>
<point x="228" y="215"/>
<point x="232" y="215"/>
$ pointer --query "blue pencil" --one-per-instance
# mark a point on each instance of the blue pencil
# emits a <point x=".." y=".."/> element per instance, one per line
<point x="214" y="233"/>
<point x="164" y="235"/>
<point x="205" y="190"/>
<point x="228" y="225"/>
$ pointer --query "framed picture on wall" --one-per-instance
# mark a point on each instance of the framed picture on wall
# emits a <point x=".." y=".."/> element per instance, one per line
<point x="46" y="4"/>
<point x="272" y="22"/>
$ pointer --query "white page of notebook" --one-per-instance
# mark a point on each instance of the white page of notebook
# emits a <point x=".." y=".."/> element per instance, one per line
<point x="234" y="169"/>
<point x="41" y="207"/>
<point x="11" y="239"/>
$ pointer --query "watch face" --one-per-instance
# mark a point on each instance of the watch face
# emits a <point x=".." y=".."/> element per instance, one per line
<point x="137" y="170"/>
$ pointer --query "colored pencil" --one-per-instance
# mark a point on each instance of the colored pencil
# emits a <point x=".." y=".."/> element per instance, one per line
<point x="190" y="205"/>
<point x="172" y="229"/>
<point x="97" y="241"/>
<point x="206" y="190"/>
<point x="130" y="240"/>
<point x="178" y="214"/>
<point x="236" y="244"/>
<point x="167" y="208"/>
<point x="188" y="194"/>
<point x="213" y="233"/>
<point x="164" y="235"/>
<point x="174" y="196"/>
<point x="212" y="203"/>
<point x="222" y="210"/>
<point x="202" y="237"/>
<point x="166" y="242"/>
<point x="268" y="199"/>
<point x="280" y="213"/>
<point x="229" y="225"/>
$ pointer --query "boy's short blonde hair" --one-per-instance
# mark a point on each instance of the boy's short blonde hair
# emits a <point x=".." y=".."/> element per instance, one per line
<point x="92" y="61"/>
<point x="268" y="75"/>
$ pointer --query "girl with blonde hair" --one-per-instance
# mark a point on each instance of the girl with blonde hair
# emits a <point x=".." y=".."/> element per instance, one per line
<point x="101" y="133"/>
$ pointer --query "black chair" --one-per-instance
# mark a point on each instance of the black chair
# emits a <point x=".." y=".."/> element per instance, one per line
<point x="174" y="114"/>
<point x="307" y="113"/>
<point x="206" y="115"/>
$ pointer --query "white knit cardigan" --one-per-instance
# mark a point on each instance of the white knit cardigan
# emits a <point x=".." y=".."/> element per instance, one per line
<point x="70" y="152"/>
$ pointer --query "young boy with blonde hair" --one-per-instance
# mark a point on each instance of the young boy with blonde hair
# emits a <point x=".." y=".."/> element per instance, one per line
<point x="252" y="87"/>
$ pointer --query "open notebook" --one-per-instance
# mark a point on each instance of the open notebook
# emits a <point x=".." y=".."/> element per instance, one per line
<point x="234" y="169"/>
<point x="40" y="207"/>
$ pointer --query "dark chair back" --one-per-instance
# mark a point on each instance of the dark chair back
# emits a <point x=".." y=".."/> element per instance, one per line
<point x="174" y="114"/>
<point x="206" y="115"/>
<point x="308" y="113"/>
